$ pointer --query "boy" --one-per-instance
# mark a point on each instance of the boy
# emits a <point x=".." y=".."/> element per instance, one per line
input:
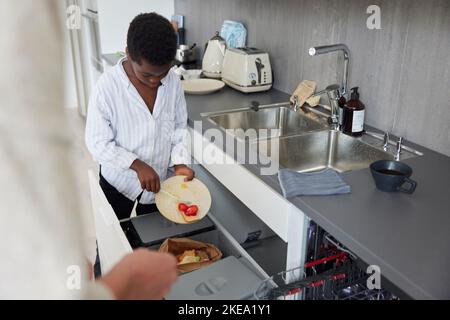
<point x="137" y="120"/>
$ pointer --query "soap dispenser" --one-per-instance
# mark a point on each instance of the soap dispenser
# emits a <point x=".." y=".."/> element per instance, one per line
<point x="353" y="115"/>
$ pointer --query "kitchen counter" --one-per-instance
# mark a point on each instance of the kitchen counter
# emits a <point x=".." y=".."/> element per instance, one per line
<point x="407" y="236"/>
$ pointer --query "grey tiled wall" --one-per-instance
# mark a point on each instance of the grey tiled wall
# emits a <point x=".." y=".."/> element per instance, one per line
<point x="403" y="69"/>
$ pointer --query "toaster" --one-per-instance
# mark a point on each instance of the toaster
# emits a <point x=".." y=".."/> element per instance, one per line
<point x="247" y="69"/>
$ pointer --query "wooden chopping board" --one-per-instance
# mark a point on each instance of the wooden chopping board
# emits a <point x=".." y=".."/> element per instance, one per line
<point x="194" y="191"/>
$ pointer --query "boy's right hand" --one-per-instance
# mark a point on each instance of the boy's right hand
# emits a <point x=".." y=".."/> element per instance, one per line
<point x="147" y="176"/>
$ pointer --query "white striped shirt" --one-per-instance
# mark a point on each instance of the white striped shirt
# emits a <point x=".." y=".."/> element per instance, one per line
<point x="121" y="129"/>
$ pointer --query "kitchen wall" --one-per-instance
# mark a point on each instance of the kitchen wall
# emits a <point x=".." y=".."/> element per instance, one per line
<point x="115" y="17"/>
<point x="403" y="69"/>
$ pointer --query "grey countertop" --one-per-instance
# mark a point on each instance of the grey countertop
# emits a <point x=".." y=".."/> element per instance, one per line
<point x="407" y="236"/>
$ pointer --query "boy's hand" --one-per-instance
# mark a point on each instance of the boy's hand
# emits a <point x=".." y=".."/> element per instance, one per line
<point x="184" y="170"/>
<point x="147" y="176"/>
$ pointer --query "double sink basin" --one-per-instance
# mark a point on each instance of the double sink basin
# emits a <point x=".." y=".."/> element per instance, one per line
<point x="305" y="141"/>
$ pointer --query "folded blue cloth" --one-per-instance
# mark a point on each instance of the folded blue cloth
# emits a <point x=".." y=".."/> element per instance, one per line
<point x="234" y="33"/>
<point x="326" y="182"/>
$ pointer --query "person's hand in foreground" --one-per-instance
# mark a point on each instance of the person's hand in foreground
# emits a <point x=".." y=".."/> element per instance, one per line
<point x="142" y="274"/>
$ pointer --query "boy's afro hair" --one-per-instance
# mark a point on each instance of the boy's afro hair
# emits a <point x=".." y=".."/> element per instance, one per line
<point x="151" y="37"/>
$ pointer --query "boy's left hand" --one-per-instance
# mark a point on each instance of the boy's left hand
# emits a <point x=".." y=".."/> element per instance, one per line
<point x="184" y="170"/>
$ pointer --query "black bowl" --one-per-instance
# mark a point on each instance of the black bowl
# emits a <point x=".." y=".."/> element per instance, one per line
<point x="393" y="176"/>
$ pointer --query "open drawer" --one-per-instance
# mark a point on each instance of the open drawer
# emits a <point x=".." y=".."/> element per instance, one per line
<point x="236" y="276"/>
<point x="116" y="239"/>
<point x="241" y="271"/>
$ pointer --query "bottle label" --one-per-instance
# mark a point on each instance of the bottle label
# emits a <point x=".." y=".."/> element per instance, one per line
<point x="358" y="121"/>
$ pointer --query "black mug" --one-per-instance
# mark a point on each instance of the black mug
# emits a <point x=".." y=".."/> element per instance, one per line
<point x="392" y="176"/>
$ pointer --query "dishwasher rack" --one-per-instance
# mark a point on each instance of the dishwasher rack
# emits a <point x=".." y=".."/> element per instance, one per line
<point x="342" y="279"/>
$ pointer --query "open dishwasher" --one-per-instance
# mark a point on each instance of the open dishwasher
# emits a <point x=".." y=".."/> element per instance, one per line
<point x="331" y="273"/>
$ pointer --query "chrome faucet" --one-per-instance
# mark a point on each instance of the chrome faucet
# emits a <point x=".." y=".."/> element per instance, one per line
<point x="334" y="95"/>
<point x="314" y="51"/>
<point x="399" y="148"/>
<point x="386" y="141"/>
<point x="335" y="92"/>
<point x="399" y="145"/>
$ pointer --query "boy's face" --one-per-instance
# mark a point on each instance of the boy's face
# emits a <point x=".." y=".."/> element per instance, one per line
<point x="149" y="74"/>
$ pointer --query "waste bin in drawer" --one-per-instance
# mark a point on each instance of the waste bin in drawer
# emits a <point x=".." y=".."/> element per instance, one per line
<point x="226" y="279"/>
<point x="152" y="229"/>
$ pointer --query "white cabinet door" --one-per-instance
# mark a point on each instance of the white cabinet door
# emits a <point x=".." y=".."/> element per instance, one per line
<point x="111" y="240"/>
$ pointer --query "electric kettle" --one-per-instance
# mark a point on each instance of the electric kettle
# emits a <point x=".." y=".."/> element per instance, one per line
<point x="213" y="57"/>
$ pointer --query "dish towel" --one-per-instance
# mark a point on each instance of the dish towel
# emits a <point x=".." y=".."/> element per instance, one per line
<point x="326" y="182"/>
<point x="304" y="90"/>
<point x="234" y="33"/>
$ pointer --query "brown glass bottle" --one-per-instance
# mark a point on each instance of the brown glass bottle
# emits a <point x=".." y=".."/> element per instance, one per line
<point x="353" y="115"/>
<point x="342" y="101"/>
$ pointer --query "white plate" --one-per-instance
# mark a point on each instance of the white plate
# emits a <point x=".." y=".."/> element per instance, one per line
<point x="194" y="191"/>
<point x="201" y="86"/>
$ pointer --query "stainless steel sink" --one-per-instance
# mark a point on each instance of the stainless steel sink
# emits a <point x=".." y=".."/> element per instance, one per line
<point x="305" y="141"/>
<point x="324" y="149"/>
<point x="280" y="121"/>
